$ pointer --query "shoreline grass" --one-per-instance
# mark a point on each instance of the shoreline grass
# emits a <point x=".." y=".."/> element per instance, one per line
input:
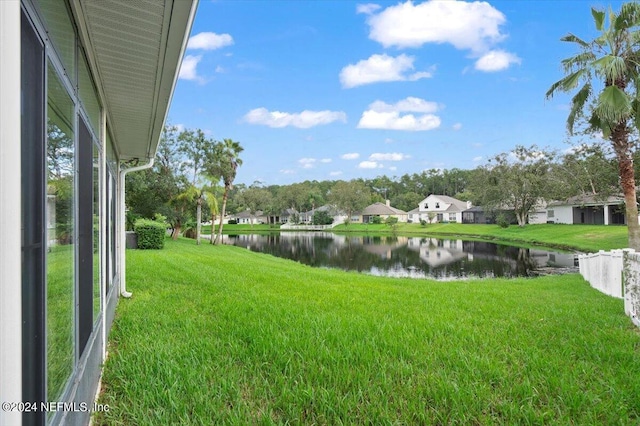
<point x="225" y="335"/>
<point x="587" y="238"/>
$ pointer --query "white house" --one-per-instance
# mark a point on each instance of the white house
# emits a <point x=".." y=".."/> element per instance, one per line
<point x="332" y="211"/>
<point x="587" y="209"/>
<point x="247" y="218"/>
<point x="85" y="87"/>
<point x="439" y="208"/>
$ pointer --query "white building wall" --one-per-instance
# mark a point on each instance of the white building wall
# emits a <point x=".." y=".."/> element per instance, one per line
<point x="10" y="216"/>
<point x="561" y="214"/>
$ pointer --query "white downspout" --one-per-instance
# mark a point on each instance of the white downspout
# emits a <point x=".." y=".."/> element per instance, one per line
<point x="123" y="227"/>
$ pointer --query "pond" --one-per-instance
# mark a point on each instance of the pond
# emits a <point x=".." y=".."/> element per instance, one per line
<point x="415" y="257"/>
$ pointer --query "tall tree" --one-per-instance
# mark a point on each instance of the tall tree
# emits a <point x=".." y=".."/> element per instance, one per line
<point x="254" y="199"/>
<point x="223" y="163"/>
<point x="612" y="59"/>
<point x="195" y="148"/>
<point x="518" y="181"/>
<point x="350" y="197"/>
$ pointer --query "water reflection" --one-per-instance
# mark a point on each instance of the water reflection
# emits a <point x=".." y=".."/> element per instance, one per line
<point x="416" y="257"/>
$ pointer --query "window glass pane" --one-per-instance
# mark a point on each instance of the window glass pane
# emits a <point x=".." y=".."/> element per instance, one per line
<point x="88" y="96"/>
<point x="60" y="29"/>
<point x="60" y="244"/>
<point x="96" y="230"/>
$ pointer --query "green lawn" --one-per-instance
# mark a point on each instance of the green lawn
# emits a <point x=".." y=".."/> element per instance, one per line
<point x="588" y="238"/>
<point x="581" y="237"/>
<point x="223" y="335"/>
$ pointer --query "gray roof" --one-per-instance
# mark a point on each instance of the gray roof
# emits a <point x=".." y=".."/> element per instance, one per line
<point x="456" y="205"/>
<point x="589" y="200"/>
<point x="381" y="209"/>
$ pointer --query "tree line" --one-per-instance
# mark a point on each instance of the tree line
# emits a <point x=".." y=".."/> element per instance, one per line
<point x="603" y="77"/>
<point x="193" y="178"/>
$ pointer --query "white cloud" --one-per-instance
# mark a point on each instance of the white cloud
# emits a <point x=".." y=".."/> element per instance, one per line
<point x="380" y="68"/>
<point x="288" y="172"/>
<point x="457" y="126"/>
<point x="303" y="120"/>
<point x="368" y="8"/>
<point x="350" y="156"/>
<point x="409" y="104"/>
<point x="496" y="60"/>
<point x="336" y="173"/>
<point x="389" y="140"/>
<point x="477" y="159"/>
<point x="209" y="41"/>
<point x="219" y="69"/>
<point x="390" y="156"/>
<point x="325" y="160"/>
<point x="370" y="165"/>
<point x="188" y="69"/>
<point x="382" y="115"/>
<point x="307" y="163"/>
<point x="471" y="26"/>
<point x="393" y="168"/>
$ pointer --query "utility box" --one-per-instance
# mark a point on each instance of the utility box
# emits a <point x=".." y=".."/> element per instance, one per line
<point x="132" y="240"/>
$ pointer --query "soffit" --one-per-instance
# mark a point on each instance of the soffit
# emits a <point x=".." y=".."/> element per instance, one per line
<point x="135" y="48"/>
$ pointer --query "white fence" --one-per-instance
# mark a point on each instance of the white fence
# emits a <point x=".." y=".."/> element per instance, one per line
<point x="616" y="273"/>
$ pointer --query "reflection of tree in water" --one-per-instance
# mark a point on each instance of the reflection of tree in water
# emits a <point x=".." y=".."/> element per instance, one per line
<point x="391" y="256"/>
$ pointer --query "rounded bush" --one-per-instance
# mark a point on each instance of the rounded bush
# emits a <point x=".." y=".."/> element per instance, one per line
<point x="150" y="234"/>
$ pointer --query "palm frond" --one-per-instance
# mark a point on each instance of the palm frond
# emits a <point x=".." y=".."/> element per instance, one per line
<point x="578" y="61"/>
<point x="613" y="105"/>
<point x="598" y="18"/>
<point x="635" y="106"/>
<point x="568" y="83"/>
<point x="572" y="38"/>
<point x="629" y="17"/>
<point x="577" y="105"/>
<point x="595" y="123"/>
<point x="611" y="67"/>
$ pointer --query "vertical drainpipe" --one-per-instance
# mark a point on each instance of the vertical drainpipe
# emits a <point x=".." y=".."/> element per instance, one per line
<point x="123" y="237"/>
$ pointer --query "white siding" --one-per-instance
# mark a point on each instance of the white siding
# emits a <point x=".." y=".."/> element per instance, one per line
<point x="10" y="217"/>
<point x="561" y="214"/>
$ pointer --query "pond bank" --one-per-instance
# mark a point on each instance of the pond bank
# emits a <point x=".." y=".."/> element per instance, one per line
<point x="584" y="238"/>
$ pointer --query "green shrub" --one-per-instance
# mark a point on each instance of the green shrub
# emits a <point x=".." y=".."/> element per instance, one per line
<point x="502" y="221"/>
<point x="150" y="234"/>
<point x="376" y="220"/>
<point x="321" y="217"/>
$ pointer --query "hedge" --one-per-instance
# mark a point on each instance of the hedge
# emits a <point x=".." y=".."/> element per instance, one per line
<point x="150" y="234"/>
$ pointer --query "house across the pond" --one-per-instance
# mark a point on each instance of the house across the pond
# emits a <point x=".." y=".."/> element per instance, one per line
<point x="439" y="208"/>
<point x="383" y="211"/>
<point x="588" y="209"/>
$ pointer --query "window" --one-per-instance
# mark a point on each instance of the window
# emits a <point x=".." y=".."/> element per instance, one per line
<point x="60" y="259"/>
<point x="426" y="206"/>
<point x="452" y="217"/>
<point x="437" y="205"/>
<point x="550" y="213"/>
<point x="32" y="87"/>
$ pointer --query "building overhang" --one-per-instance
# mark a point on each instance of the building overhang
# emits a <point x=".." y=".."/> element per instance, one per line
<point x="135" y="49"/>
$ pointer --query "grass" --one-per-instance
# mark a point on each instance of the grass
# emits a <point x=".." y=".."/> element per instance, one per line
<point x="257" y="228"/>
<point x="223" y="335"/>
<point x="60" y="317"/>
<point x="590" y="238"/>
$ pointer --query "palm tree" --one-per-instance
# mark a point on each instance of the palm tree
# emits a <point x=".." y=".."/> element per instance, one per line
<point x="211" y="197"/>
<point x="611" y="59"/>
<point x="225" y="164"/>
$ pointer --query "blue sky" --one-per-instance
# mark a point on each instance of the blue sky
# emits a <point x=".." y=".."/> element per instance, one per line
<point x="330" y="90"/>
